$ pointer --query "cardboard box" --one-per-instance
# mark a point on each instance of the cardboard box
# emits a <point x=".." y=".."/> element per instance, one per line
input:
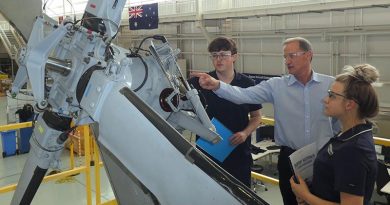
<point x="5" y="84"/>
<point x="77" y="139"/>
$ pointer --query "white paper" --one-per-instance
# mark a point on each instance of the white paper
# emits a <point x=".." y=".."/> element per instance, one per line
<point x="302" y="161"/>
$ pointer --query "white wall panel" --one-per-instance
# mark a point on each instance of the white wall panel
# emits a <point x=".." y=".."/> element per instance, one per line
<point x="376" y="16"/>
<point x="200" y="64"/>
<point x="186" y="46"/>
<point x="273" y="65"/>
<point x="239" y="65"/>
<point x="314" y="20"/>
<point x="348" y="61"/>
<point x="265" y="23"/>
<point x="187" y="27"/>
<point x="339" y="37"/>
<point x="321" y="64"/>
<point x="378" y="44"/>
<point x="320" y="46"/>
<point x="383" y="65"/>
<point x="351" y="45"/>
<point x="292" y="21"/>
<point x="272" y="46"/>
<point x="200" y="46"/>
<point x="278" y="22"/>
<point x="352" y="18"/>
<point x="252" y="24"/>
<point x="338" y="19"/>
<point x="251" y="64"/>
<point x="250" y="45"/>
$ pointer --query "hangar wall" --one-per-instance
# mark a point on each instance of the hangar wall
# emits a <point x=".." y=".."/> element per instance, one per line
<point x="339" y="37"/>
<point x="342" y="32"/>
<point x="344" y="36"/>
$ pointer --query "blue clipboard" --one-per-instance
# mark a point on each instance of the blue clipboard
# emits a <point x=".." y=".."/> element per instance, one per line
<point x="223" y="148"/>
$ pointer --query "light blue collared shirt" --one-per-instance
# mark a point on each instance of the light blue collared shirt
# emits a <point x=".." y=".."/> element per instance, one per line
<point x="298" y="108"/>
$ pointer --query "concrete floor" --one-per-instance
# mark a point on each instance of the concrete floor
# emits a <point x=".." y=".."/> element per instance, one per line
<point x="60" y="192"/>
<point x="73" y="190"/>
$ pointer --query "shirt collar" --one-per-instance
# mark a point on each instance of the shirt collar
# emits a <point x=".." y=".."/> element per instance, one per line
<point x="314" y="78"/>
<point x="353" y="131"/>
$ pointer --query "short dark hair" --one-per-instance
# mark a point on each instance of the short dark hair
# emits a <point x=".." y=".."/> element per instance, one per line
<point x="223" y="44"/>
<point x="304" y="44"/>
<point x="357" y="80"/>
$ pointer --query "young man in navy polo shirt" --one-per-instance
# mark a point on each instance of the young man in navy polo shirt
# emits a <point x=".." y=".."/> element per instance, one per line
<point x="223" y="53"/>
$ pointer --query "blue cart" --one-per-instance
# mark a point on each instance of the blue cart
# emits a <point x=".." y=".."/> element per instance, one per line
<point x="24" y="138"/>
<point x="8" y="141"/>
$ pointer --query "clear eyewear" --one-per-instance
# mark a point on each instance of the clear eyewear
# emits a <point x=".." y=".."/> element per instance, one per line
<point x="293" y="55"/>
<point x="220" y="55"/>
<point x="333" y="95"/>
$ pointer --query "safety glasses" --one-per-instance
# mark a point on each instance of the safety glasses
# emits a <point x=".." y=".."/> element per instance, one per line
<point x="223" y="55"/>
<point x="333" y="95"/>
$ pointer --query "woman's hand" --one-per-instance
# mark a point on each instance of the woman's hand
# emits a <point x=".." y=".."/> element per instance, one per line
<point x="300" y="190"/>
<point x="301" y="201"/>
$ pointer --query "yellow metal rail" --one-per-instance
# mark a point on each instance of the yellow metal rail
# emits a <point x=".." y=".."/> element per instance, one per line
<point x="15" y="126"/>
<point x="264" y="178"/>
<point x="97" y="172"/>
<point x="98" y="164"/>
<point x="72" y="171"/>
<point x="87" y="155"/>
<point x="112" y="202"/>
<point x="382" y="141"/>
<point x="267" y="121"/>
<point x="378" y="140"/>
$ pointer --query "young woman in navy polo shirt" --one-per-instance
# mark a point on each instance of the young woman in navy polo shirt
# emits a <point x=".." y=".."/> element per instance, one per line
<point x="345" y="168"/>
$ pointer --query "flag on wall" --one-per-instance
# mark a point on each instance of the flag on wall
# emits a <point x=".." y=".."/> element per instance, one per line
<point x="143" y="16"/>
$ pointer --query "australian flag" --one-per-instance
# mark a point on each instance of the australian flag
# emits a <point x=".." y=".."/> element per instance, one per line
<point x="143" y="17"/>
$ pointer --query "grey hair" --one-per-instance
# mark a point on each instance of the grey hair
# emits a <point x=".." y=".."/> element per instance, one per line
<point x="304" y="44"/>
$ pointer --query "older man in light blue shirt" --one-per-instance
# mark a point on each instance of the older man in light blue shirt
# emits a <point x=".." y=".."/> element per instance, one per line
<point x="298" y="108"/>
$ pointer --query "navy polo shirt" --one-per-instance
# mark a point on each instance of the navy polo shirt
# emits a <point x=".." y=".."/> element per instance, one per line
<point x="347" y="163"/>
<point x="233" y="116"/>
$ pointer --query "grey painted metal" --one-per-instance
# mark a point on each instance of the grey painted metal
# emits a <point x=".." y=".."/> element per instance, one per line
<point x="124" y="98"/>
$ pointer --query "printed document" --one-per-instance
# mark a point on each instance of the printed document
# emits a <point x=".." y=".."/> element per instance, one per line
<point x="302" y="161"/>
